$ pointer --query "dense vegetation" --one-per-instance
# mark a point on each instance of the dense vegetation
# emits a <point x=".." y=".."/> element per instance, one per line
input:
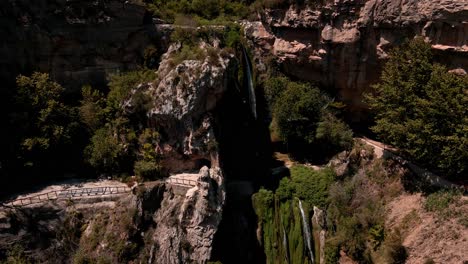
<point x="209" y="11"/>
<point x="97" y="135"/>
<point x="422" y="109"/>
<point x="45" y="136"/>
<point x="305" y="118"/>
<point x="279" y="216"/>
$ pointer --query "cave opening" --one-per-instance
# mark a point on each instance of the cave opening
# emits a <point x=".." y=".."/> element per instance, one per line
<point x="200" y="163"/>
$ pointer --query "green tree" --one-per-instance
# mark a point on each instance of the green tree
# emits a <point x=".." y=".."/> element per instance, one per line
<point x="92" y="108"/>
<point x="105" y="151"/>
<point x="297" y="112"/>
<point x="421" y="108"/>
<point x="334" y="133"/>
<point x="46" y="126"/>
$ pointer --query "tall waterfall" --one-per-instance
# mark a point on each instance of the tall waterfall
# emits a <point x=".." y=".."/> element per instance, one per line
<point x="306" y="230"/>
<point x="250" y="86"/>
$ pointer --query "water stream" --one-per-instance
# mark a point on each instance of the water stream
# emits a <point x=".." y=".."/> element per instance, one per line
<point x="250" y="85"/>
<point x="306" y="230"/>
<point x="285" y="245"/>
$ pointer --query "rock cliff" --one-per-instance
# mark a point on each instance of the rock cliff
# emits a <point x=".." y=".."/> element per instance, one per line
<point x="184" y="100"/>
<point x="76" y="42"/>
<point x="342" y="44"/>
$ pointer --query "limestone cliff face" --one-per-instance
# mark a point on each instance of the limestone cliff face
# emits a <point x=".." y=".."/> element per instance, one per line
<point x="342" y="44"/>
<point x="187" y="224"/>
<point x="184" y="99"/>
<point x="76" y="42"/>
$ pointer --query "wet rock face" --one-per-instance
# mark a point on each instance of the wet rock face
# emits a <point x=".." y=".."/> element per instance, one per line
<point x="77" y="42"/>
<point x="343" y="44"/>
<point x="184" y="99"/>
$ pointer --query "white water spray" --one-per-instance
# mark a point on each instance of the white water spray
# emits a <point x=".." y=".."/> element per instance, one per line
<point x="307" y="238"/>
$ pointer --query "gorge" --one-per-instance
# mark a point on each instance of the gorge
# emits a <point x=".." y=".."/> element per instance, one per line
<point x="252" y="106"/>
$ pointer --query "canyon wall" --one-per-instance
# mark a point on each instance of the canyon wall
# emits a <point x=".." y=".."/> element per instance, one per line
<point x="343" y="44"/>
<point x="76" y="42"/>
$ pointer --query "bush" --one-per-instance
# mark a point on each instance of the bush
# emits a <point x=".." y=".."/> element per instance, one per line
<point x="262" y="202"/>
<point x="148" y="170"/>
<point x="334" y="133"/>
<point x="311" y="185"/>
<point x="394" y="251"/>
<point x="274" y="87"/>
<point x="105" y="151"/>
<point x="439" y="202"/>
<point x="297" y="112"/>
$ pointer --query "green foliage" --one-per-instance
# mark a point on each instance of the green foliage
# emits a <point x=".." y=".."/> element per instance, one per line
<point x="306" y="184"/>
<point x="301" y="117"/>
<point x="356" y="212"/>
<point x="46" y="130"/>
<point x="188" y="53"/>
<point x="285" y="190"/>
<point x="232" y="36"/>
<point x="119" y="136"/>
<point x="332" y="251"/>
<point x="394" y="251"/>
<point x="279" y="215"/>
<point x="297" y="112"/>
<point x="105" y="150"/>
<point x="221" y="11"/>
<point x="120" y="86"/>
<point x="262" y="201"/>
<point x="422" y="109"/>
<point x="148" y="170"/>
<point x="274" y="87"/>
<point x="334" y="132"/>
<point x="310" y="185"/>
<point x="92" y="107"/>
<point x="49" y="120"/>
<point x="16" y="255"/>
<point x="439" y="202"/>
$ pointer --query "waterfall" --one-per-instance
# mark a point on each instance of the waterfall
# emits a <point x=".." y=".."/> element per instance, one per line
<point x="250" y="86"/>
<point x="285" y="245"/>
<point x="306" y="230"/>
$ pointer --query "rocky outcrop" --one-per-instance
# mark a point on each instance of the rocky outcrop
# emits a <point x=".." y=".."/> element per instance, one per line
<point x="343" y="44"/>
<point x="184" y="99"/>
<point x="187" y="224"/>
<point x="76" y="42"/>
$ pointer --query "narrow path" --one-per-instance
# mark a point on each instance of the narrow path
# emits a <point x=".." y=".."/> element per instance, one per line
<point x="385" y="151"/>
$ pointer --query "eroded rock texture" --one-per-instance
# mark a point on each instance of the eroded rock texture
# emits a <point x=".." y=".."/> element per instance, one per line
<point x="343" y="44"/>
<point x="184" y="99"/>
<point x="76" y="42"/>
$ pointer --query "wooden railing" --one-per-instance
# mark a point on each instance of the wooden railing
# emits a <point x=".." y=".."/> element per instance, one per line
<point x="67" y="194"/>
<point x="182" y="182"/>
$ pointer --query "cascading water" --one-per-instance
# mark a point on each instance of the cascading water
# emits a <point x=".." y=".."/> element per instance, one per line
<point x="250" y="86"/>
<point x="306" y="230"/>
<point x="285" y="245"/>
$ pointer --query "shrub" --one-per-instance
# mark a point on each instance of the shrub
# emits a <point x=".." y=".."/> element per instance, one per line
<point x="148" y="170"/>
<point x="394" y="251"/>
<point x="297" y="111"/>
<point x="439" y="202"/>
<point x="311" y="185"/>
<point x="334" y="133"/>
<point x="105" y="151"/>
<point x="188" y="53"/>
<point x="274" y="87"/>
<point x="262" y="201"/>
